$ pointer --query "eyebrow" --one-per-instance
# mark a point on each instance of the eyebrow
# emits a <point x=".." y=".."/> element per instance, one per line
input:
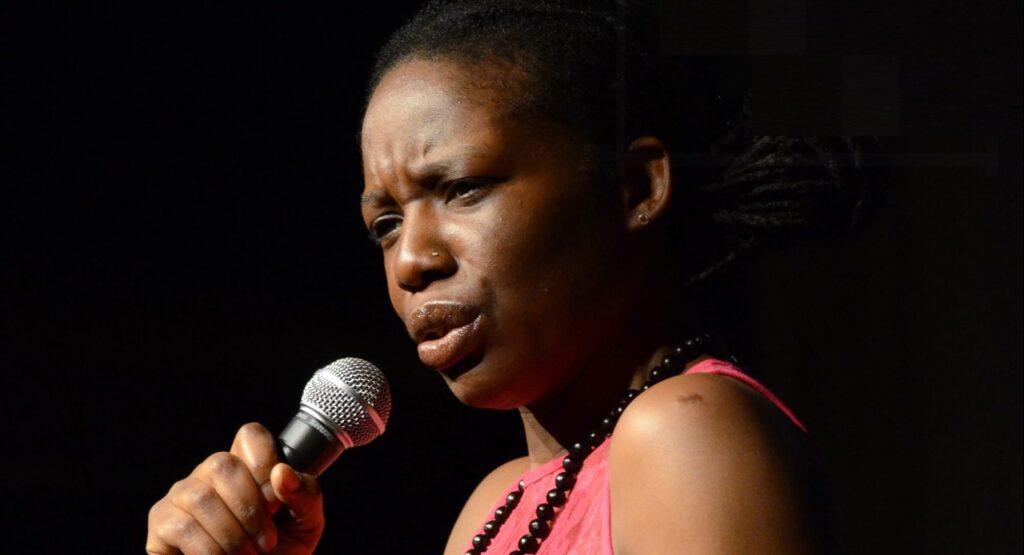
<point x="381" y="197"/>
<point x="376" y="198"/>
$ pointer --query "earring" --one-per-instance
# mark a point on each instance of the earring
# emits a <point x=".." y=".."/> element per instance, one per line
<point x="643" y="218"/>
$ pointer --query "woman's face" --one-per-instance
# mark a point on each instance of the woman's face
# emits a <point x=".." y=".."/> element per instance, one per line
<point x="507" y="264"/>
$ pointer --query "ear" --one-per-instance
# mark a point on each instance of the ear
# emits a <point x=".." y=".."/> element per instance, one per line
<point x="647" y="183"/>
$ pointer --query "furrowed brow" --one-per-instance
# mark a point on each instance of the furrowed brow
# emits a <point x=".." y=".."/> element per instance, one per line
<point x="426" y="174"/>
<point x="456" y="159"/>
<point x="374" y="198"/>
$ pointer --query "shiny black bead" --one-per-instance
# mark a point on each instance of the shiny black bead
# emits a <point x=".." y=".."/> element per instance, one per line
<point x="501" y="515"/>
<point x="607" y="424"/>
<point x="595" y="438"/>
<point x="631" y="394"/>
<point x="540" y="528"/>
<point x="657" y="374"/>
<point x="681" y="353"/>
<point x="645" y="387"/>
<point x="565" y="481"/>
<point x="579" y="450"/>
<point x="572" y="464"/>
<point x="491" y="528"/>
<point x="481" y="541"/>
<point x="556" y="498"/>
<point x="621" y="409"/>
<point x="512" y="499"/>
<point x="689" y="344"/>
<point x="528" y="544"/>
<point x="545" y="511"/>
<point x="522" y="485"/>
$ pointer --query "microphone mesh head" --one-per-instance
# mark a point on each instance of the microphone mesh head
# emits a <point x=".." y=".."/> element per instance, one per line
<point x="361" y="385"/>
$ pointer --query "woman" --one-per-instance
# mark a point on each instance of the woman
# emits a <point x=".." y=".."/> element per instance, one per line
<point x="520" y="182"/>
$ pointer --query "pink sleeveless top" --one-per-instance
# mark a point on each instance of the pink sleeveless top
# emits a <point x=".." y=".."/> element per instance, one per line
<point x="583" y="527"/>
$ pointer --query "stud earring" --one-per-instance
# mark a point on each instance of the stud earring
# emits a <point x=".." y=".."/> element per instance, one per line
<point x="434" y="254"/>
<point x="643" y="218"/>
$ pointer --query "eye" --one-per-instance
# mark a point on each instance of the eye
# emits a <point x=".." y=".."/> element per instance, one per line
<point x="384" y="227"/>
<point x="467" y="190"/>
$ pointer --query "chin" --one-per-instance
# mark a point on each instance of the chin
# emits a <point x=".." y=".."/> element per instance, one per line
<point x="481" y="397"/>
<point x="472" y="384"/>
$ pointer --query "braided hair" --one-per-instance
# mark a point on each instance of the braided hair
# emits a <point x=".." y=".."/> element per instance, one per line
<point x="584" y="60"/>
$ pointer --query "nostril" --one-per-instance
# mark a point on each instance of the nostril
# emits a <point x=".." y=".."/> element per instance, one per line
<point x="422" y="280"/>
<point x="430" y="276"/>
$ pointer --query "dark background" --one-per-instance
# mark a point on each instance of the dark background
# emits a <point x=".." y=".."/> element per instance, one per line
<point x="182" y="248"/>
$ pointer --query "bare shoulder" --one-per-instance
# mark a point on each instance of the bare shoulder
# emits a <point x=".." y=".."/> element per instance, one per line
<point x="476" y="510"/>
<point x="704" y="461"/>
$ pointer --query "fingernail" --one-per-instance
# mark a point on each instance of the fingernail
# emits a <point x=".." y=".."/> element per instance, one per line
<point x="268" y="492"/>
<point x="263" y="539"/>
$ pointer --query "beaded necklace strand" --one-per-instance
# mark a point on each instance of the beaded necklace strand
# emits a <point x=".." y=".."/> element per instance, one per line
<point x="540" y="527"/>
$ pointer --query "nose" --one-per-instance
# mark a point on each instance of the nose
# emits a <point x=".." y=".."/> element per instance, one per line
<point x="422" y="256"/>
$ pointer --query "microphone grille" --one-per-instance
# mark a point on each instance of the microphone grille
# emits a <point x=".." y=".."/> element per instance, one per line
<point x="354" y="395"/>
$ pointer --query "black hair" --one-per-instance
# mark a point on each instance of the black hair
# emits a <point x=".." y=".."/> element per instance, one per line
<point x="595" y="66"/>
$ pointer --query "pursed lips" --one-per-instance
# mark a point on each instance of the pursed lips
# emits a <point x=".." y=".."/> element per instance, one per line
<point x="434" y="319"/>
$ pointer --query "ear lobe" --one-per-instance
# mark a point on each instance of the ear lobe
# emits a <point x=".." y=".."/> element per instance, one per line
<point x="647" y="185"/>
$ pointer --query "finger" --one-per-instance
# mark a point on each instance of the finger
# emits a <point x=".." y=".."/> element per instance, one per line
<point x="258" y="449"/>
<point x="208" y="508"/>
<point x="301" y="493"/>
<point x="173" y="532"/>
<point x="255" y="445"/>
<point x="233" y="484"/>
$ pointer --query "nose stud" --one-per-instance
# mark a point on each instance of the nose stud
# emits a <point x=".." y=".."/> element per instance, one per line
<point x="434" y="254"/>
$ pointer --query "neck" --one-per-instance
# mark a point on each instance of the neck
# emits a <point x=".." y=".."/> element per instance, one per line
<point x="552" y="425"/>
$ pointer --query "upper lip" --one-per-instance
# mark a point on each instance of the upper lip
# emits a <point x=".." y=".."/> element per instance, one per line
<point x="434" y="319"/>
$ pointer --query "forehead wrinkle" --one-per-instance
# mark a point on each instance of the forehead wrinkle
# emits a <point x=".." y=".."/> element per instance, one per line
<point x="424" y="169"/>
<point x="422" y="131"/>
<point x="447" y="159"/>
<point x="403" y="154"/>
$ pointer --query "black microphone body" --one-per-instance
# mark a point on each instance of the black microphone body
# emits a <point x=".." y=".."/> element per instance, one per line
<point x="307" y="445"/>
<point x="345" y="404"/>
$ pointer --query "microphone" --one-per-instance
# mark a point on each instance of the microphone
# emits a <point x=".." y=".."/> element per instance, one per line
<point x="345" y="404"/>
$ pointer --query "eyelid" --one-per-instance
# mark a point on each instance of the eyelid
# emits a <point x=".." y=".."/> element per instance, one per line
<point x="372" y="234"/>
<point x="476" y="184"/>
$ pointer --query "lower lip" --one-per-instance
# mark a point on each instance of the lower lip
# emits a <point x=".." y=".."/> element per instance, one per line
<point x="456" y="345"/>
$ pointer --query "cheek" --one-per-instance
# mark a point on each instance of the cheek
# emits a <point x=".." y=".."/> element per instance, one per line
<point x="395" y="294"/>
<point x="549" y="250"/>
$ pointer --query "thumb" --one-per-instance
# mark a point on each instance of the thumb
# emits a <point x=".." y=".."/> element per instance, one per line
<point x="300" y="493"/>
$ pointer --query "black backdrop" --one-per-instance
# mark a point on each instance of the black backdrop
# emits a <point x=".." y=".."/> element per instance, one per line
<point x="182" y="248"/>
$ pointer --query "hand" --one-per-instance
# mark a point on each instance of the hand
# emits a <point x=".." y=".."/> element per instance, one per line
<point x="227" y="505"/>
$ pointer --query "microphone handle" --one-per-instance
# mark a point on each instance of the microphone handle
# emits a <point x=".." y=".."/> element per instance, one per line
<point x="308" y="445"/>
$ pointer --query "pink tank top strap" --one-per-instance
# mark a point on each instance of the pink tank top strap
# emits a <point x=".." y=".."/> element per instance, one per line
<point x="723" y="368"/>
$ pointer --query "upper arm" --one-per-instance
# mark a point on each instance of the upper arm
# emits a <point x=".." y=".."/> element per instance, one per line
<point x="705" y="463"/>
<point x="477" y="508"/>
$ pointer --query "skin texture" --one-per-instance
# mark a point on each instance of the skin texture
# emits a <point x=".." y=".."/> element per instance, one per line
<point x="517" y="249"/>
<point x="492" y="229"/>
<point x="539" y="251"/>
<point x="227" y="504"/>
<point x="704" y="462"/>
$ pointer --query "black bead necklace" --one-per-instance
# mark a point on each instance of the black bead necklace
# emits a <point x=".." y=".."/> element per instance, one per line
<point x="540" y="527"/>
